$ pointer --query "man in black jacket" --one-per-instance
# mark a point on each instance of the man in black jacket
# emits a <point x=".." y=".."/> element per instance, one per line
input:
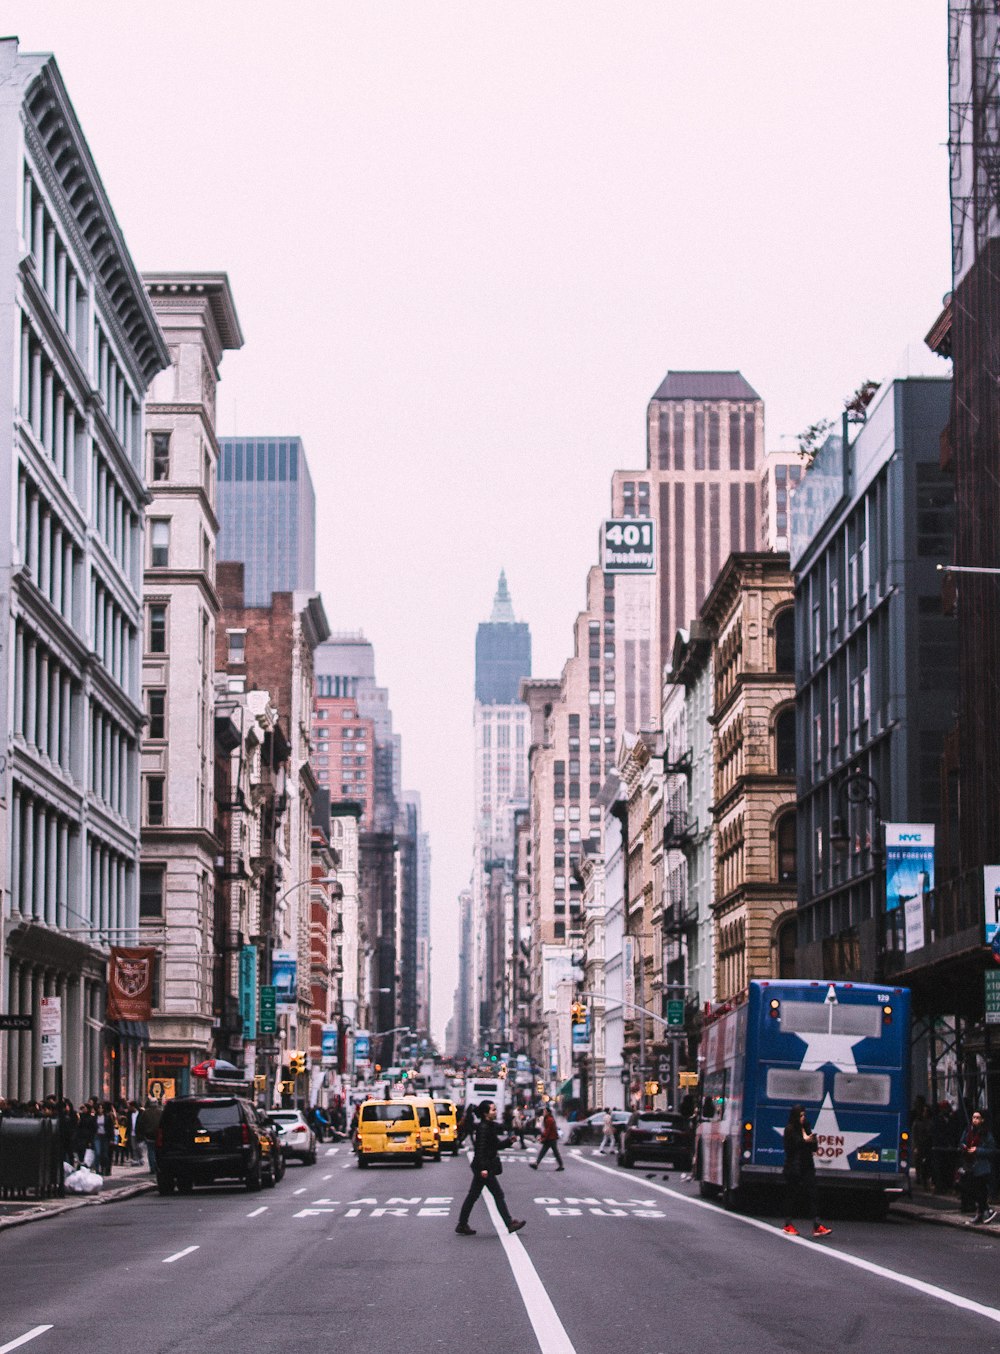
<point x="486" y="1166"/>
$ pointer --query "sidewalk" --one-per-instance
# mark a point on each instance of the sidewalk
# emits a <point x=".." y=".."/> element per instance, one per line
<point x="124" y="1183"/>
<point x="941" y="1210"/>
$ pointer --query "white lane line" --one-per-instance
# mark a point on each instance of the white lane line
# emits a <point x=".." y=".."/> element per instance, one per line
<point x="328" y="1177"/>
<point x="300" y="1191"/>
<point x="258" y="1211"/>
<point x="549" y="1330"/>
<point x="23" y="1339"/>
<point x="823" y="1248"/>
<point x="331" y="1151"/>
<point x="179" y="1256"/>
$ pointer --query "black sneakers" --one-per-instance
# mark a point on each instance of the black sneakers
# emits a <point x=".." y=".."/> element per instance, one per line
<point x="463" y="1229"/>
<point x="516" y="1225"/>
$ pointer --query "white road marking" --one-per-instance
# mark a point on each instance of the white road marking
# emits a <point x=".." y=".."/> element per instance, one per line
<point x="300" y="1191"/>
<point x="880" y="1271"/>
<point x="171" y="1258"/>
<point x="549" y="1330"/>
<point x="23" y="1339"/>
<point x="258" y="1211"/>
<point x="331" y="1150"/>
<point x="328" y="1177"/>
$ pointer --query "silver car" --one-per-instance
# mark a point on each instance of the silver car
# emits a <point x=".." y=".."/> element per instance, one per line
<point x="297" y="1138"/>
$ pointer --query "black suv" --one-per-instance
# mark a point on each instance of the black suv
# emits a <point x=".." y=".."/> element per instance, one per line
<point x="206" y="1138"/>
<point x="657" y="1135"/>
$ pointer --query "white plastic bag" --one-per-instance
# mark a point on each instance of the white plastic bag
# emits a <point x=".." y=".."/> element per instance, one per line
<point x="89" y="1158"/>
<point x="84" y="1181"/>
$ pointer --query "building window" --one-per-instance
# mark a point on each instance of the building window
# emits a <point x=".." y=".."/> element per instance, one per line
<point x="784" y="742"/>
<point x="788" y="934"/>
<point x="156" y="711"/>
<point x="160" y="457"/>
<point x="151" y="890"/>
<point x="159" y="543"/>
<point x="157" y="612"/>
<point x="784" y="641"/>
<point x="154" y="787"/>
<point x="787" y="849"/>
<point x="237" y="646"/>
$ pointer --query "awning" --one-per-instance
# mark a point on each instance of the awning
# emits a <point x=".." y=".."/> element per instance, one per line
<point x="136" y="1030"/>
<point x="566" y="1088"/>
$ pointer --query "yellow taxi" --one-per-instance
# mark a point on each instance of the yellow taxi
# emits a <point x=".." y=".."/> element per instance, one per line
<point x="430" y="1133"/>
<point x="389" y="1130"/>
<point x="447" y="1117"/>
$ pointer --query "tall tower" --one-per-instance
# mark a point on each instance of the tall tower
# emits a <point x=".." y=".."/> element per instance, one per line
<point x="501" y="738"/>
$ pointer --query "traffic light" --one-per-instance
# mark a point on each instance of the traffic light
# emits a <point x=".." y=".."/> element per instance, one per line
<point x="287" y="1087"/>
<point x="578" y="1013"/>
<point x="297" y="1064"/>
<point x="378" y="1069"/>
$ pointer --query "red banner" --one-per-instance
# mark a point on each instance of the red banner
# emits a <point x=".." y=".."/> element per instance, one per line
<point x="130" y="984"/>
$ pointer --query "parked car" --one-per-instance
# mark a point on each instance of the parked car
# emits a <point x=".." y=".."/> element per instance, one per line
<point x="447" y="1117"/>
<point x="591" y="1129"/>
<point x="657" y="1135"/>
<point x="297" y="1138"/>
<point x="206" y="1138"/>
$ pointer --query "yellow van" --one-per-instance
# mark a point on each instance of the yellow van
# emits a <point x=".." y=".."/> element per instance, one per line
<point x="447" y="1117"/>
<point x="389" y="1130"/>
<point x="430" y="1133"/>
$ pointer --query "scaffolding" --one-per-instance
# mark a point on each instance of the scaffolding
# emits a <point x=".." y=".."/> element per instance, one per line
<point x="974" y="128"/>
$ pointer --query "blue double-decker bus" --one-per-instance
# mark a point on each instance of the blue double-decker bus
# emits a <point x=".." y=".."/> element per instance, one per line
<point x="840" y="1049"/>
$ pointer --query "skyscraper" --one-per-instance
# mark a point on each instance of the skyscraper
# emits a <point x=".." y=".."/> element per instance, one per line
<point x="501" y="734"/>
<point x="267" y="515"/>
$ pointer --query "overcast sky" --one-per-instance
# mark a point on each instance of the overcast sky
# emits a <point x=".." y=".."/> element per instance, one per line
<point x="467" y="240"/>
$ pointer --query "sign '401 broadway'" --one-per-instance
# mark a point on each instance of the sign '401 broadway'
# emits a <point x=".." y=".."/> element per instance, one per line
<point x="627" y="546"/>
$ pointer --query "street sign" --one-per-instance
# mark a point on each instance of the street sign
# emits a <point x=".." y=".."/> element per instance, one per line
<point x="268" y="1014"/>
<point x="50" y="1029"/>
<point x="16" y="1022"/>
<point x="663" y="1067"/>
<point x="991" y="979"/>
<point x="675" y="1014"/>
<point x="627" y="546"/>
<point x="688" y="1079"/>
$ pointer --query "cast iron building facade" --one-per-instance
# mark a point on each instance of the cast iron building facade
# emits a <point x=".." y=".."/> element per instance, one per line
<point x="875" y="660"/>
<point x="78" y="350"/>
<point x="267" y="514"/>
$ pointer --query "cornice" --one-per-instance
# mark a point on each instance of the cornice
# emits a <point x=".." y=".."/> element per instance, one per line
<point x="156" y="580"/>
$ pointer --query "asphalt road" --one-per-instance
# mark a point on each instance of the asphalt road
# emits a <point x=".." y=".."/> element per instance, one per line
<point x="369" y="1261"/>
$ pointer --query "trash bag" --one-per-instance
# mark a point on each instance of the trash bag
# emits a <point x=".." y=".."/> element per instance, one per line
<point x="84" y="1181"/>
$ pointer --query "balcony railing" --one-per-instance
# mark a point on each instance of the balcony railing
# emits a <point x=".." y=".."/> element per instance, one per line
<point x="679" y="831"/>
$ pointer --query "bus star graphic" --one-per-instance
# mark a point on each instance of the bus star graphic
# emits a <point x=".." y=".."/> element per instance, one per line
<point x="822" y="1049"/>
<point x="834" y="1144"/>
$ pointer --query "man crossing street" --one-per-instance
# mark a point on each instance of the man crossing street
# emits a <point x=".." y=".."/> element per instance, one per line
<point x="550" y="1140"/>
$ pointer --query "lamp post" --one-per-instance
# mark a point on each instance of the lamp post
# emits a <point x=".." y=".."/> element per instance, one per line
<point x="857" y="789"/>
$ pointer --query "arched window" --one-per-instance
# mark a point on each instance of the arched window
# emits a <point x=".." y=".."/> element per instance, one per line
<point x="784" y="742"/>
<point x="784" y="640"/>
<point x="788" y="935"/>
<point x="787" y="849"/>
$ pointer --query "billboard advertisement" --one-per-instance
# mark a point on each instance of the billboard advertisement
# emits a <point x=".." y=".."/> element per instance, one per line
<point x="328" y="1046"/>
<point x="362" y="1047"/>
<point x="909" y="863"/>
<point x="991" y="909"/>
<point x="284" y="964"/>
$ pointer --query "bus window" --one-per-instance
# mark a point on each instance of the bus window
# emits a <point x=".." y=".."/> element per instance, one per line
<point x="805" y="1017"/>
<point x="794" y="1083"/>
<point x="861" y="1088"/>
<point x="716" y="1085"/>
<point x="858" y="1020"/>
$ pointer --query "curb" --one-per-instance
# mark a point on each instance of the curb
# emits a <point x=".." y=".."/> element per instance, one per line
<point x="937" y="1218"/>
<point x="41" y="1212"/>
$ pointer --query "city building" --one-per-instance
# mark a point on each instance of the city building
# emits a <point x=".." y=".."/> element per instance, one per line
<point x="180" y="890"/>
<point x="267" y="514"/>
<point x="344" y="747"/>
<point x="876" y="669"/>
<point x="705" y="443"/>
<point x="780" y="472"/>
<point x="79" y="349"/>
<point x="750" y="616"/>
<point x="500" y="786"/>
<point x="271" y="648"/>
<point x="325" y="956"/>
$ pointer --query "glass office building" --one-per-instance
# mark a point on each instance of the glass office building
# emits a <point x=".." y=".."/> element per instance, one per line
<point x="267" y="514"/>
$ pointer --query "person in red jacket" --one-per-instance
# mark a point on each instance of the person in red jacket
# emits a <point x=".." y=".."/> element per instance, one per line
<point x="550" y="1140"/>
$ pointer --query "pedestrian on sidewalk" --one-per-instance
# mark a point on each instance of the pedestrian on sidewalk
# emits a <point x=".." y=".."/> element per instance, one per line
<point x="518" y="1125"/>
<point x="800" y="1172"/>
<point x="148" y="1125"/>
<point x="608" y="1133"/>
<point x="977" y="1149"/>
<point x="486" y="1167"/>
<point x="549" y="1139"/>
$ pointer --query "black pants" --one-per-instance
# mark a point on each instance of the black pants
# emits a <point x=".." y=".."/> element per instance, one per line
<point x="801" y="1188"/>
<point x="475" y="1189"/>
<point x="550" y="1145"/>
<point x="978" y="1187"/>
